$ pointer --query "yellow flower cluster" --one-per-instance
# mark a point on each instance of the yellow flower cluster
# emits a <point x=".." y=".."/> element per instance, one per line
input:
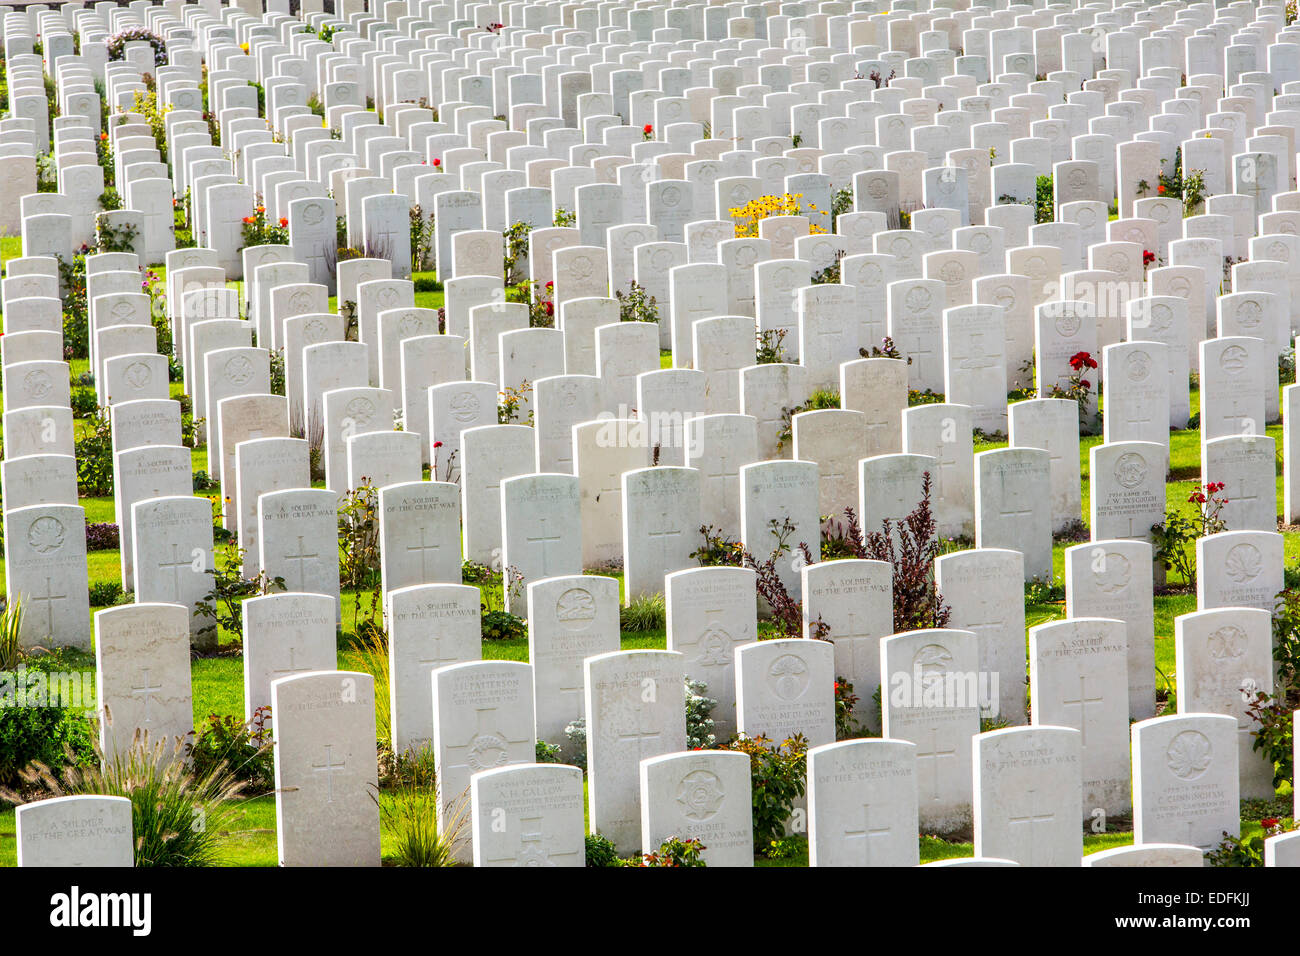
<point x="748" y="216"/>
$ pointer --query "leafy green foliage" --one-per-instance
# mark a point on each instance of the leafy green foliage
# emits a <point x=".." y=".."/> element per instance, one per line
<point x="676" y="852"/>
<point x="646" y="612"/>
<point x="178" y="815"/>
<point x="601" y="851"/>
<point x="94" y="453"/>
<point x="245" y="748"/>
<point x="777" y="778"/>
<point x="503" y="626"/>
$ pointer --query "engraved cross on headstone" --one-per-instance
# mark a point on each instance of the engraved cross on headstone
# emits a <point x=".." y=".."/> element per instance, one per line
<point x="147" y="691"/>
<point x="301" y="558"/>
<point x="1031" y="820"/>
<point x="866" y="834"/>
<point x="49" y="597"/>
<point x="174" y="565"/>
<point x="1082" y="702"/>
<point x="935" y="754"/>
<point x="544" y="540"/>
<point x="424" y="548"/>
<point x="328" y="768"/>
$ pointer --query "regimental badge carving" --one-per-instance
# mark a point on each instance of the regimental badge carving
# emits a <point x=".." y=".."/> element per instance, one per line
<point x="46" y="534"/>
<point x="38" y="384"/>
<point x="138" y="375"/>
<point x="701" y="795"/>
<point x="1114" y="574"/>
<point x="1189" y="754"/>
<point x="313" y="213"/>
<point x="1234" y="359"/>
<point x="1249" y="314"/>
<point x="361" y="411"/>
<point x="917" y="299"/>
<point x="575" y="608"/>
<point x="1068" y="322"/>
<point x="410" y="324"/>
<point x="788" y="676"/>
<point x="715" y="647"/>
<point x="1131" y="470"/>
<point x="1243" y="563"/>
<point x="930" y="663"/>
<point x="239" y="370"/>
<point x="486" y="751"/>
<point x="1227" y="643"/>
<point x="1138" y="366"/>
<point x="464" y="406"/>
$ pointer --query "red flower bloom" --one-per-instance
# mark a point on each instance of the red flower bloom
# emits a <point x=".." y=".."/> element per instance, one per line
<point x="284" y="221"/>
<point x="549" y="307"/>
<point x="1081" y="360"/>
<point x="437" y="444"/>
<point x="1148" y="257"/>
<point x="1160" y="188"/>
<point x="1269" y="823"/>
<point x="437" y="162"/>
<point x="1085" y="383"/>
<point x="248" y="219"/>
<point x="550" y="285"/>
<point x="648" y="128"/>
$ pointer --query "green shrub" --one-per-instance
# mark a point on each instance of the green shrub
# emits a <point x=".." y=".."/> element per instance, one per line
<point x="676" y="852"/>
<point x="94" y="451"/>
<point x="699" y="720"/>
<point x="244" y="747"/>
<point x="575" y="731"/>
<point x="84" y="403"/>
<point x="410" y="815"/>
<point x="106" y="594"/>
<point x="777" y="779"/>
<point x="47" y="735"/>
<point x="503" y="626"/>
<point x="178" y="816"/>
<point x="646" y="613"/>
<point x="11" y="622"/>
<point x="601" y="851"/>
<point x="548" y="753"/>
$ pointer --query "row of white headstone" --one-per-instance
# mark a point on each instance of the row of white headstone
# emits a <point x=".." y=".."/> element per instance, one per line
<point x="932" y="306"/>
<point x="863" y="805"/>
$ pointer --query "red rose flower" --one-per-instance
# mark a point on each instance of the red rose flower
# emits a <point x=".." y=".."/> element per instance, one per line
<point x="284" y="221"/>
<point x="648" y="128"/>
<point x="437" y="162"/>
